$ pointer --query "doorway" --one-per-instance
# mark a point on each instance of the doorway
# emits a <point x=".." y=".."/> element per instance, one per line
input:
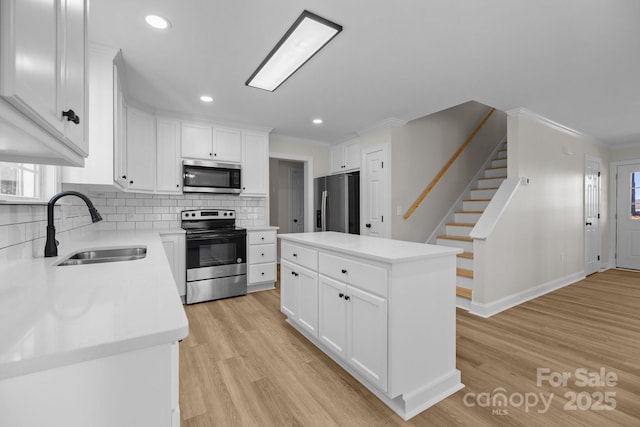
<point x="628" y="216"/>
<point x="592" y="215"/>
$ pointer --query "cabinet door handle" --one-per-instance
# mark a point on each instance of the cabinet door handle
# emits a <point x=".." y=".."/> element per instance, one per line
<point x="124" y="176"/>
<point x="347" y="297"/>
<point x="71" y="116"/>
<point x="368" y="225"/>
<point x="340" y="295"/>
<point x="344" y="271"/>
<point x="262" y="254"/>
<point x="295" y="255"/>
<point x="294" y="273"/>
<point x="177" y="185"/>
<point x="262" y="273"/>
<point x="130" y="182"/>
<point x="262" y="238"/>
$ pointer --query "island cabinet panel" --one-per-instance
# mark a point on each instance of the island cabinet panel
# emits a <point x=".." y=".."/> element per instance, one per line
<point x="367" y="335"/>
<point x="333" y="316"/>
<point x="386" y="312"/>
<point x="299" y="296"/>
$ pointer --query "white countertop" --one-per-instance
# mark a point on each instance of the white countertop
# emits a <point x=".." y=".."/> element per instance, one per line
<point x="57" y="315"/>
<point x="374" y="248"/>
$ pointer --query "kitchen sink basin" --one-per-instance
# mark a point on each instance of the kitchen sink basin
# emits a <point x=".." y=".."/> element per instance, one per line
<point x="96" y="256"/>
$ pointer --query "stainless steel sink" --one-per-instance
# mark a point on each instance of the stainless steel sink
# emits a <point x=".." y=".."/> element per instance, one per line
<point x="95" y="256"/>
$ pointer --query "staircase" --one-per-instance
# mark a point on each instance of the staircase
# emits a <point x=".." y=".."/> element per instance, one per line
<point x="458" y="225"/>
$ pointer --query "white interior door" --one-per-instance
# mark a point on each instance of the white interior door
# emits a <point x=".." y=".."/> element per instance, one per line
<point x="592" y="216"/>
<point x="628" y="216"/>
<point x="296" y="200"/>
<point x="374" y="194"/>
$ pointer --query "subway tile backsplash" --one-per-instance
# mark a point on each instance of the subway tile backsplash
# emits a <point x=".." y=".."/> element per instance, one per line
<point x="22" y="225"/>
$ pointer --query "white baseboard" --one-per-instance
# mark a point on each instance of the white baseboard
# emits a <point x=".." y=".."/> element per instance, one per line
<point x="490" y="309"/>
<point x="463" y="303"/>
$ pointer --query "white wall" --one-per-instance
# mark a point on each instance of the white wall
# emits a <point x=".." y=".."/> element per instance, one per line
<point x="538" y="243"/>
<point x="419" y="151"/>
<point x="628" y="152"/>
<point x="317" y="151"/>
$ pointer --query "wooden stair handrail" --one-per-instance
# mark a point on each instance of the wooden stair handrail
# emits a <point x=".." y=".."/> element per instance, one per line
<point x="447" y="166"/>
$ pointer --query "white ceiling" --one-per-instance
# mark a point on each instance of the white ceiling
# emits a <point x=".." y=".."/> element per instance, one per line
<point x="576" y="62"/>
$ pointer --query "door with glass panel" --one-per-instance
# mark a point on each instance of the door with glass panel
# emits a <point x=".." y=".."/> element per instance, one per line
<point x="628" y="217"/>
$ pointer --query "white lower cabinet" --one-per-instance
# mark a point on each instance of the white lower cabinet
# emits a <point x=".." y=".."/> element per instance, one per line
<point x="135" y="388"/>
<point x="390" y="324"/>
<point x="261" y="259"/>
<point x="174" y="247"/>
<point x="299" y="295"/>
<point x="353" y="324"/>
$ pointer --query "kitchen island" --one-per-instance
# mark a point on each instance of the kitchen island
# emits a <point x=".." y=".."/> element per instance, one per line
<point x="93" y="344"/>
<point x="384" y="310"/>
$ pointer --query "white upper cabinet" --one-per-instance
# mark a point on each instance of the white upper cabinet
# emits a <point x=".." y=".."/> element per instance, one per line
<point x="99" y="166"/>
<point x="228" y="145"/>
<point x="44" y="76"/>
<point x="141" y="150"/>
<point x="345" y="157"/>
<point x="168" y="174"/>
<point x="197" y="141"/>
<point x="255" y="164"/>
<point x="201" y="141"/>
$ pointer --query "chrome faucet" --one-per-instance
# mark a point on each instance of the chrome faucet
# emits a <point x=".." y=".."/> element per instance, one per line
<point x="51" y="247"/>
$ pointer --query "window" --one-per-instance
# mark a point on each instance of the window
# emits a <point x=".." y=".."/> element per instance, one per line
<point x="635" y="195"/>
<point x="20" y="180"/>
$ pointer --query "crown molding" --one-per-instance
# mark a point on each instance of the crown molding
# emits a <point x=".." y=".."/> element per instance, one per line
<point x="523" y="112"/>
<point x="298" y="139"/>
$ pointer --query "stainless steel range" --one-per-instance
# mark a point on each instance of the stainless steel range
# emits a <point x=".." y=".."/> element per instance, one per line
<point x="216" y="255"/>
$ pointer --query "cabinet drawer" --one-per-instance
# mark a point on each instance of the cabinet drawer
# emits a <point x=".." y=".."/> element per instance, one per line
<point x="262" y="273"/>
<point x="262" y="253"/>
<point x="300" y="255"/>
<point x="261" y="237"/>
<point x="369" y="277"/>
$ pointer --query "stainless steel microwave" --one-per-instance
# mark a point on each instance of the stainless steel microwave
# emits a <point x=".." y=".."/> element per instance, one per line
<point x="201" y="176"/>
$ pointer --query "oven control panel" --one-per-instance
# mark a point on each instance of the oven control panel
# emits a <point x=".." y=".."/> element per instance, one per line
<point x="205" y="214"/>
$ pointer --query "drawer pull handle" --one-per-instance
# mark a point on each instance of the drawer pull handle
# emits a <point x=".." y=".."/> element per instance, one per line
<point x="344" y="271"/>
<point x="262" y="238"/>
<point x="262" y="273"/>
<point x="340" y="295"/>
<point x="295" y="255"/>
<point x="347" y="297"/>
<point x="294" y="273"/>
<point x="262" y="254"/>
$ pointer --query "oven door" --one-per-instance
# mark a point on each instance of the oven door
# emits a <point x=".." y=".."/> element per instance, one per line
<point x="213" y="255"/>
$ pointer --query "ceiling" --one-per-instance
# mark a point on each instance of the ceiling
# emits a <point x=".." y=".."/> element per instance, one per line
<point x="576" y="62"/>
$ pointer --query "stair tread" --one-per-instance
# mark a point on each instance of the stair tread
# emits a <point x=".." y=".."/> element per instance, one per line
<point x="496" y="168"/>
<point x="493" y="177"/>
<point x="488" y="188"/>
<point x="461" y="224"/>
<point x="464" y="272"/>
<point x="451" y="237"/>
<point x="467" y="255"/>
<point x="463" y="292"/>
<point x="469" y="212"/>
<point x="476" y="200"/>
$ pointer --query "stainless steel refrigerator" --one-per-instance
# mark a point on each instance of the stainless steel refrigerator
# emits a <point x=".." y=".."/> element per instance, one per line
<point x="337" y="203"/>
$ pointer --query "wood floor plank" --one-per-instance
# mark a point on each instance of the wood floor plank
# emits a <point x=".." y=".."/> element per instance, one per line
<point x="244" y="365"/>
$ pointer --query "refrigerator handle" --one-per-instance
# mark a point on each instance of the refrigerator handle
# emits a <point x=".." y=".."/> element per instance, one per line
<point x="324" y="211"/>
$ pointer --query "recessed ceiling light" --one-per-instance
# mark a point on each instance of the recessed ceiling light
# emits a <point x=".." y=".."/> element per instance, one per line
<point x="157" y="22"/>
<point x="317" y="121"/>
<point x="206" y="98"/>
<point x="305" y="38"/>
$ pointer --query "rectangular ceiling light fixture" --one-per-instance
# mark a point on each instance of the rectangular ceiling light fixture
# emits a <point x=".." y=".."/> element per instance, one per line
<point x="305" y="38"/>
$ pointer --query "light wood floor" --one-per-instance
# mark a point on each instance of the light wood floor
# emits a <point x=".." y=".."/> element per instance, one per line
<point x="243" y="365"/>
